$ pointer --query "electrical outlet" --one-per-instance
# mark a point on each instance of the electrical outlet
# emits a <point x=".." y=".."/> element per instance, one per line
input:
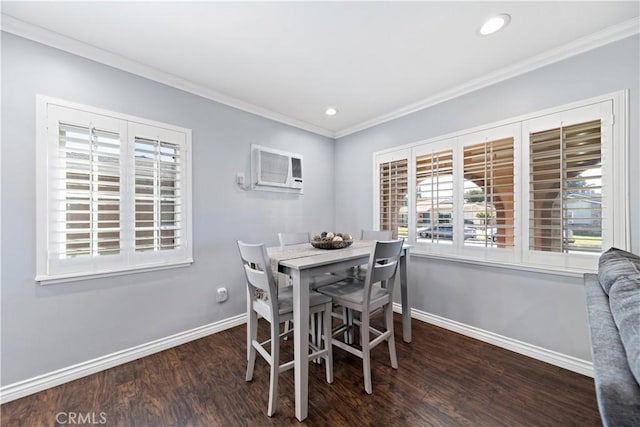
<point x="240" y="179"/>
<point x="222" y="295"/>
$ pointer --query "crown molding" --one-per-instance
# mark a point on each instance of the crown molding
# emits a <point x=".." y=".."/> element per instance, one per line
<point x="76" y="47"/>
<point x="56" y="40"/>
<point x="584" y="44"/>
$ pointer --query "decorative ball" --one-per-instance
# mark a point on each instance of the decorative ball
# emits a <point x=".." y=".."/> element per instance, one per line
<point x="330" y="240"/>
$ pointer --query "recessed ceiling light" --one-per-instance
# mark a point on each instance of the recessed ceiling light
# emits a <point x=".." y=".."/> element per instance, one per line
<point x="494" y="24"/>
<point x="331" y="111"/>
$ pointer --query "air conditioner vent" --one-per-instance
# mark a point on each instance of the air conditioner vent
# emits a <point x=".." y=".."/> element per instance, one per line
<point x="276" y="170"/>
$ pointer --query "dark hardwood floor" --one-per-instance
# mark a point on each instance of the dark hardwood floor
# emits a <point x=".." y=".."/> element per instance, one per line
<point x="444" y="379"/>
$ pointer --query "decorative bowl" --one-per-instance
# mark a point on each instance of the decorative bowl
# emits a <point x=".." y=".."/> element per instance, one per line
<point x="331" y="244"/>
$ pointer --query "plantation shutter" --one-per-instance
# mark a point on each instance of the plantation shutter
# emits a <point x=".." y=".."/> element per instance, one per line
<point x="158" y="210"/>
<point x="489" y="191"/>
<point x="566" y="189"/>
<point x="86" y="209"/>
<point x="434" y="195"/>
<point x="394" y="182"/>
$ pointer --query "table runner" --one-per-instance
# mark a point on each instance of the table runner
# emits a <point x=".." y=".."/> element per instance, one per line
<point x="277" y="254"/>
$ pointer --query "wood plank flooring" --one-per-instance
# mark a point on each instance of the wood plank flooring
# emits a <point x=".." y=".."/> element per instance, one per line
<point x="444" y="379"/>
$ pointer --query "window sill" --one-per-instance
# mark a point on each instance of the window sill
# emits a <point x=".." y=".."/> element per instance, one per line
<point x="556" y="271"/>
<point x="66" y="278"/>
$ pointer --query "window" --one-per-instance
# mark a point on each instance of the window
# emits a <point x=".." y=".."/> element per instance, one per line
<point x="566" y="189"/>
<point x="392" y="186"/>
<point x="113" y="193"/>
<point x="570" y="209"/>
<point x="158" y="172"/>
<point x="434" y="196"/>
<point x="88" y="210"/>
<point x="489" y="193"/>
<point x="546" y="190"/>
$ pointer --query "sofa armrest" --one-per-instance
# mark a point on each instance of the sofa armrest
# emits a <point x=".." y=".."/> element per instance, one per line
<point x="617" y="391"/>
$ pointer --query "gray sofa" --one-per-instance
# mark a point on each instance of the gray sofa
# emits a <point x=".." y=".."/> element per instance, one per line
<point x="613" y="306"/>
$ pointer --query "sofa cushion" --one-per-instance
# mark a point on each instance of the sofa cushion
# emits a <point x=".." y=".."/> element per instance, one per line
<point x="624" y="300"/>
<point x="616" y="263"/>
<point x="617" y="391"/>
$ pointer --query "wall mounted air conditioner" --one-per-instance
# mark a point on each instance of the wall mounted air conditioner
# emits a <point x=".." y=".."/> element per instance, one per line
<point x="276" y="170"/>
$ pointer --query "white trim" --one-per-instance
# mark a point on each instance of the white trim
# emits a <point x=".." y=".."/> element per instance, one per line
<point x="619" y="101"/>
<point x="561" y="360"/>
<point x="584" y="44"/>
<point x="556" y="271"/>
<point x="61" y="376"/>
<point x="77" y="47"/>
<point x="58" y="41"/>
<point x="45" y="100"/>
<point x="618" y="96"/>
<point x="68" y="277"/>
<point x="50" y="271"/>
<point x="622" y="165"/>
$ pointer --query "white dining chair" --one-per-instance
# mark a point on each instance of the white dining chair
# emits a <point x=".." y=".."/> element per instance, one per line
<point x="276" y="306"/>
<point x="376" y="235"/>
<point x="383" y="235"/>
<point x="295" y="238"/>
<point x="364" y="296"/>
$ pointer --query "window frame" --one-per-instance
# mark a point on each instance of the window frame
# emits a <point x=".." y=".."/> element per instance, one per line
<point x="389" y="157"/>
<point x="604" y="111"/>
<point x="512" y="130"/>
<point x="418" y="151"/>
<point x="50" y="270"/>
<point x="617" y="175"/>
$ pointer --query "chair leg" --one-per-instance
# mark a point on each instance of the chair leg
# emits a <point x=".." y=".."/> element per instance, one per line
<point x="252" y="334"/>
<point x="287" y="328"/>
<point x="391" y="340"/>
<point x="347" y="319"/>
<point x="328" y="359"/>
<point x="316" y="333"/>
<point x="366" y="352"/>
<point x="252" y="322"/>
<point x="275" y="368"/>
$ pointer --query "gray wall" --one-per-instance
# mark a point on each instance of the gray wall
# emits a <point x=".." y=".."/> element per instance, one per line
<point x="540" y="309"/>
<point x="45" y="328"/>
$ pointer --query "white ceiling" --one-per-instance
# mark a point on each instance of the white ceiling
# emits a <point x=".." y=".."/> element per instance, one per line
<point x="289" y="61"/>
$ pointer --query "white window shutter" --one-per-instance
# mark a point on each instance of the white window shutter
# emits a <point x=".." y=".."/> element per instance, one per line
<point x="489" y="175"/>
<point x="158" y="209"/>
<point x="113" y="193"/>
<point x="87" y="207"/>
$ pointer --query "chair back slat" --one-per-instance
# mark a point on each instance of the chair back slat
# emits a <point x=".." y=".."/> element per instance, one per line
<point x="257" y="278"/>
<point x="383" y="264"/>
<point x="376" y="235"/>
<point x="388" y="249"/>
<point x="383" y="272"/>
<point x="257" y="269"/>
<point x="287" y="239"/>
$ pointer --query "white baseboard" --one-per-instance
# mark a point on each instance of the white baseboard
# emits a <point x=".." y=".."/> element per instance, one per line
<point x="42" y="382"/>
<point x="558" y="359"/>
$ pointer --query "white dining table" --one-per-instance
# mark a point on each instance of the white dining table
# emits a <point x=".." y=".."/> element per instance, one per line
<point x="302" y="263"/>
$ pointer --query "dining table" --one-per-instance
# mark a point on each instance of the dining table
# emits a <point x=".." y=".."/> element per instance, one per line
<point x="302" y="263"/>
